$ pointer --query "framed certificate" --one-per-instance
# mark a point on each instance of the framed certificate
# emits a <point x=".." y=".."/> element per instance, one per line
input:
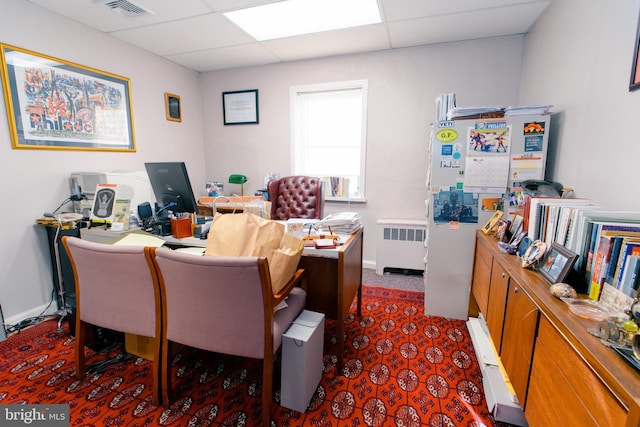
<point x="240" y="107"/>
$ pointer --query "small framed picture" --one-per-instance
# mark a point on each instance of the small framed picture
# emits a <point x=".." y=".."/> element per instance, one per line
<point x="172" y="107"/>
<point x="534" y="253"/>
<point x="497" y="216"/>
<point x="240" y="107"/>
<point x="556" y="263"/>
<point x="518" y="238"/>
<point x="502" y="231"/>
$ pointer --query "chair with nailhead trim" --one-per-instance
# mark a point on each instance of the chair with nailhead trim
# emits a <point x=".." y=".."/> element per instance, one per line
<point x="296" y="197"/>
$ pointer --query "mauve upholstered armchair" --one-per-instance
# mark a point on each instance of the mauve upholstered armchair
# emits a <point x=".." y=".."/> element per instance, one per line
<point x="224" y="305"/>
<point x="296" y="197"/>
<point x="116" y="288"/>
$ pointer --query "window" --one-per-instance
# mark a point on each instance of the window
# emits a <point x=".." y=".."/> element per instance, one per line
<point x="328" y="135"/>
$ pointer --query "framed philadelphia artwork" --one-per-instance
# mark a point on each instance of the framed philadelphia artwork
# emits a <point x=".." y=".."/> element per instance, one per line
<point x="55" y="104"/>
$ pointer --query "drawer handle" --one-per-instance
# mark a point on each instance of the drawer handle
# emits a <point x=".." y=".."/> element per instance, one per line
<point x="503" y="275"/>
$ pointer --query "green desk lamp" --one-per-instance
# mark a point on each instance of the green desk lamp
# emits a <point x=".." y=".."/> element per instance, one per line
<point x="238" y="179"/>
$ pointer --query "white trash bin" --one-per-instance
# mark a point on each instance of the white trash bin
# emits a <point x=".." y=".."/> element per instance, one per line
<point x="302" y="346"/>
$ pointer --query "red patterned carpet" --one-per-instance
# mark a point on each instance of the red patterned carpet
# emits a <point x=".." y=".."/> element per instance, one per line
<point x="401" y="369"/>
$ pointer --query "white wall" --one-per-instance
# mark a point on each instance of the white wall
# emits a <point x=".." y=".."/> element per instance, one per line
<point x="403" y="84"/>
<point x="581" y="63"/>
<point x="36" y="181"/>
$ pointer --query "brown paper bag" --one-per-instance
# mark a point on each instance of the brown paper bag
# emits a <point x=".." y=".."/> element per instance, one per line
<point x="247" y="234"/>
<point x="283" y="261"/>
<point x="242" y="235"/>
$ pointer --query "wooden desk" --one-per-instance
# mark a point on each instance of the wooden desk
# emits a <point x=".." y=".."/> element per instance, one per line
<point x="334" y="277"/>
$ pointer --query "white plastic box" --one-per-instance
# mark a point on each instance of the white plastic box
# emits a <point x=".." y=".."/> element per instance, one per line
<point x="302" y="346"/>
<point x="498" y="392"/>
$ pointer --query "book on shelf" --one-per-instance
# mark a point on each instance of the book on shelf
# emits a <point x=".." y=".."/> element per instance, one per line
<point x="336" y="186"/>
<point x="573" y="228"/>
<point x="613" y="261"/>
<point x="583" y="227"/>
<point x="600" y="263"/>
<point x="630" y="247"/>
<point x="600" y="251"/>
<point x="542" y="215"/>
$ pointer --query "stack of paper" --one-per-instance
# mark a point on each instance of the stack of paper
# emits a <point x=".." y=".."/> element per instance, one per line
<point x="444" y="103"/>
<point x="460" y="112"/>
<point x="341" y="223"/>
<point x="526" y="110"/>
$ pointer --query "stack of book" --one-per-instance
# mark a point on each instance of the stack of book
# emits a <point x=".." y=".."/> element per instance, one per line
<point x="526" y="110"/>
<point x="336" y="186"/>
<point x="607" y="244"/>
<point x="611" y="253"/>
<point x="444" y="103"/>
<point x="475" y="112"/>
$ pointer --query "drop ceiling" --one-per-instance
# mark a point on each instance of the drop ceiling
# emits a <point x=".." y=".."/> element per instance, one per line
<point x="196" y="34"/>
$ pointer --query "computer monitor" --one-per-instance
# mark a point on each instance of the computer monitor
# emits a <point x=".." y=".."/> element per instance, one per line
<point x="170" y="184"/>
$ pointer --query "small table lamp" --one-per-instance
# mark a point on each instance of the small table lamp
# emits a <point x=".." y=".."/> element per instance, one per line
<point x="238" y="179"/>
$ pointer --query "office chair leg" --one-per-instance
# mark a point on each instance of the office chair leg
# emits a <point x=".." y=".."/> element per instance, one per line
<point x="81" y="334"/>
<point x="267" y="390"/>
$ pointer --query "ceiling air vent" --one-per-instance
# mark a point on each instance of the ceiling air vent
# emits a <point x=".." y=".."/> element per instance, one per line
<point x="127" y="8"/>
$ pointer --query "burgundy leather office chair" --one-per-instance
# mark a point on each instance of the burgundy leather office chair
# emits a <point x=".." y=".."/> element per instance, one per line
<point x="296" y="197"/>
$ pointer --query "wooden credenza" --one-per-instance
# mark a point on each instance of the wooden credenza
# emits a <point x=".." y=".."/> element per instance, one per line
<point x="562" y="375"/>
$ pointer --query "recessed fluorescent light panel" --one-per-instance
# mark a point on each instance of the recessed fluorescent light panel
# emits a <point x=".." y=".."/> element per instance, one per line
<point x="296" y="17"/>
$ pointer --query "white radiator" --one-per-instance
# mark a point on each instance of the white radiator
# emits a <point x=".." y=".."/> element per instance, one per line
<point x="400" y="244"/>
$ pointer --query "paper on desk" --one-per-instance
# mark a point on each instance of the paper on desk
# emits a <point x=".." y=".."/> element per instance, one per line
<point x="140" y="239"/>
<point x="193" y="251"/>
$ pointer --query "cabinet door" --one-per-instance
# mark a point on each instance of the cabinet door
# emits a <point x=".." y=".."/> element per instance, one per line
<point x="497" y="302"/>
<point x="562" y="380"/>
<point x="481" y="277"/>
<point x="518" y="337"/>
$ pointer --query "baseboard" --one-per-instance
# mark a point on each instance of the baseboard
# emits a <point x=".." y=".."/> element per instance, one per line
<point x="368" y="264"/>
<point x="34" y="312"/>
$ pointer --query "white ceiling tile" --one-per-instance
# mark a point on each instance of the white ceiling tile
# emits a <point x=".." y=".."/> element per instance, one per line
<point x="94" y="14"/>
<point x="227" y="57"/>
<point x="339" y="42"/>
<point x="196" y="34"/>
<point x="396" y="10"/>
<point x="199" y="33"/>
<point x="226" y="5"/>
<point x="471" y="25"/>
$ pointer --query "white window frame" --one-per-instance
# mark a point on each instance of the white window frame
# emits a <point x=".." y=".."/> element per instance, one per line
<point x="361" y="85"/>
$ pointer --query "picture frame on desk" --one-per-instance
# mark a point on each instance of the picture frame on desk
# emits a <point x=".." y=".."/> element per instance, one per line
<point x="557" y="263"/>
<point x="533" y="253"/>
<point x="493" y="221"/>
<point x="53" y="104"/>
